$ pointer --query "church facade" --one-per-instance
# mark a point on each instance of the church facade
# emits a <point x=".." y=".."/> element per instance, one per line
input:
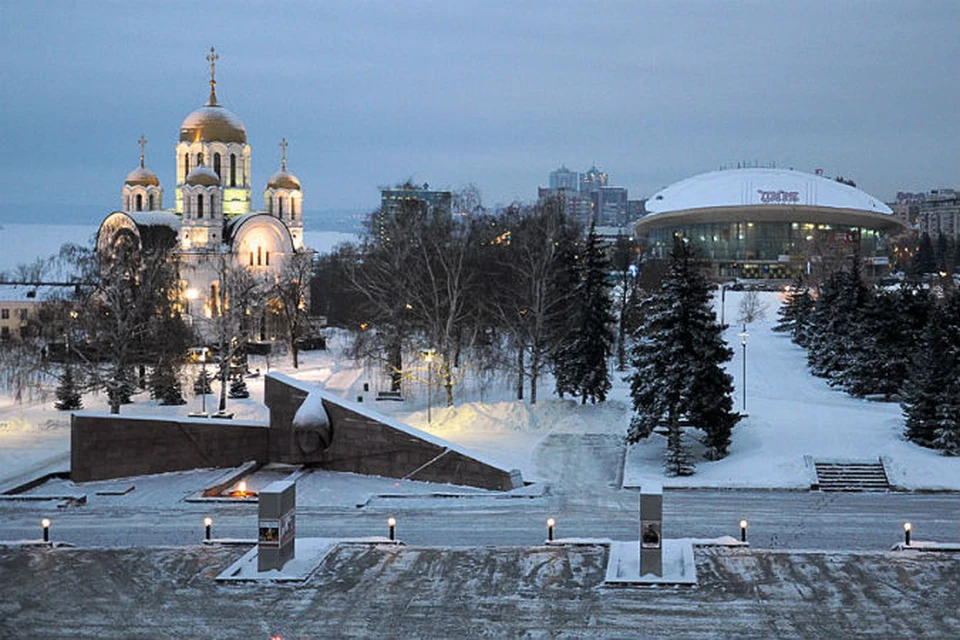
<point x="211" y="225"/>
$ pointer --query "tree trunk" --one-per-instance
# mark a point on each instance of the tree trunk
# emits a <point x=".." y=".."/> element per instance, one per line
<point x="520" y="373"/>
<point x="395" y="358"/>
<point x="534" y="373"/>
<point x="448" y="379"/>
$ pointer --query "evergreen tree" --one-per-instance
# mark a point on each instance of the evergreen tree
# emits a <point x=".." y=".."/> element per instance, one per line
<point x="933" y="366"/>
<point x="68" y="397"/>
<point x="925" y="260"/>
<point x="838" y="312"/>
<point x="202" y="384"/>
<point x="581" y="362"/>
<point x="677" y="358"/>
<point x="677" y="460"/>
<point x="947" y="427"/>
<point x="165" y="384"/>
<point x="794" y="313"/>
<point x="238" y="388"/>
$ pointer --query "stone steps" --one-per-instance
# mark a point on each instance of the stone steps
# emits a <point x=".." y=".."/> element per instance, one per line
<point x="851" y="476"/>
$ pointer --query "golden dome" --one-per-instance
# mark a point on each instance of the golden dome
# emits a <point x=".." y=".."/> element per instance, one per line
<point x="203" y="177"/>
<point x="212" y="123"/>
<point x="142" y="177"/>
<point x="283" y="180"/>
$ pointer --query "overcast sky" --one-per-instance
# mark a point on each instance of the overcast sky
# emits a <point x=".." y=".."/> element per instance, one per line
<point x="496" y="94"/>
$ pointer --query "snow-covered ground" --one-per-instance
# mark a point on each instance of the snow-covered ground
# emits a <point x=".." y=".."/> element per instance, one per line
<point x="791" y="415"/>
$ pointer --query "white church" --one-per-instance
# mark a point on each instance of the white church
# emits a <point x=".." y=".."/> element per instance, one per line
<point x="211" y="221"/>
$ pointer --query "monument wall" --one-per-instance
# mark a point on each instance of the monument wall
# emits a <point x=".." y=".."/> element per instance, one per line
<point x="343" y="436"/>
<point x="104" y="446"/>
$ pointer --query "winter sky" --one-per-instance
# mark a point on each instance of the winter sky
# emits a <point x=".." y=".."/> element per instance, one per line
<point x="492" y="93"/>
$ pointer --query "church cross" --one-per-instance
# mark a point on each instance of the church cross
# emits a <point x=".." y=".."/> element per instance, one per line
<point x="143" y="146"/>
<point x="212" y="58"/>
<point x="283" y="154"/>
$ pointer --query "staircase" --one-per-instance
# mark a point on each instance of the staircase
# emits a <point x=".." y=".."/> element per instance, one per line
<point x="851" y="476"/>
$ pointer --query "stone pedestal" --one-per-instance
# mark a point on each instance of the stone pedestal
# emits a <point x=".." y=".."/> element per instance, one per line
<point x="276" y="525"/>
<point x="651" y="530"/>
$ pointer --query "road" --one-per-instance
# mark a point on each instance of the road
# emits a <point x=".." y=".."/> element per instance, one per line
<point x="777" y="519"/>
<point x="582" y="494"/>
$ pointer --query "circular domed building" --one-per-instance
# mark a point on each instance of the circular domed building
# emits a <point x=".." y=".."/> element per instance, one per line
<point x="767" y="223"/>
<point x="212" y="217"/>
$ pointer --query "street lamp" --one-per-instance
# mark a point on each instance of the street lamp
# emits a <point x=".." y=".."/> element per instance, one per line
<point x="203" y="379"/>
<point x="392" y="524"/>
<point x="743" y="531"/>
<point x="907" y="527"/>
<point x="743" y="342"/>
<point x="550" y="523"/>
<point x="45" y="523"/>
<point x="207" y="524"/>
<point x="428" y="356"/>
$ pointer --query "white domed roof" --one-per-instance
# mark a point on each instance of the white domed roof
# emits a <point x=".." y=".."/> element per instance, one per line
<point x="203" y="177"/>
<point x="761" y="187"/>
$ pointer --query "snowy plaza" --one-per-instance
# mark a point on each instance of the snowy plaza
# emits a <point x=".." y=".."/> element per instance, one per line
<point x="475" y="562"/>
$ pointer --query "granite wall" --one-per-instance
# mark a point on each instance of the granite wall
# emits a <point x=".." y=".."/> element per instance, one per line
<point x="104" y="446"/>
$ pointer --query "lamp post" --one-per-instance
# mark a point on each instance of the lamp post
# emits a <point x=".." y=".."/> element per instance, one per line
<point x="907" y="527"/>
<point x="550" y="523"/>
<point x="743" y="531"/>
<point x="428" y="356"/>
<point x="45" y="523"/>
<point x="743" y="342"/>
<point x="207" y="524"/>
<point x="203" y="380"/>
<point x="392" y="524"/>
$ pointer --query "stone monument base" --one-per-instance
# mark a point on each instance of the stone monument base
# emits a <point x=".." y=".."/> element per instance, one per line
<point x="623" y="564"/>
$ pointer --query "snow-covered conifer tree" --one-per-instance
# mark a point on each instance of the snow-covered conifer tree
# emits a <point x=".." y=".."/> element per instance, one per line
<point x="581" y="362"/>
<point x="677" y="359"/>
<point x="68" y="397"/>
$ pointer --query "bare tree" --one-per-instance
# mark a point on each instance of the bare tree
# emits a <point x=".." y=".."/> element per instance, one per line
<point x="536" y="264"/>
<point x="751" y="308"/>
<point x="289" y="297"/>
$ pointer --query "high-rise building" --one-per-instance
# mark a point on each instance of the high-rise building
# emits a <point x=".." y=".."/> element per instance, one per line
<point x="612" y="206"/>
<point x="409" y="197"/>
<point x="592" y="180"/>
<point x="940" y="213"/>
<point x="564" y="178"/>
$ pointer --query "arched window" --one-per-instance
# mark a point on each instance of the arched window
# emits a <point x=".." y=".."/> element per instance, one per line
<point x="186" y="166"/>
<point x="280" y="204"/>
<point x="267" y="259"/>
<point x="216" y="165"/>
<point x="200" y="206"/>
<point x="233" y="169"/>
<point x="251" y="258"/>
<point x="259" y="256"/>
<point x="150" y="206"/>
<point x="199" y="158"/>
<point x="139" y="202"/>
<point x="213" y="209"/>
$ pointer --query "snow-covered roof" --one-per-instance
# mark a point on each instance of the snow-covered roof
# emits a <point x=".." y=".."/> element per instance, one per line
<point x="32" y="293"/>
<point x="156" y="219"/>
<point x="762" y="187"/>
